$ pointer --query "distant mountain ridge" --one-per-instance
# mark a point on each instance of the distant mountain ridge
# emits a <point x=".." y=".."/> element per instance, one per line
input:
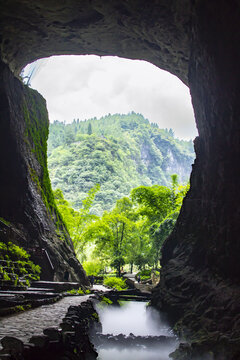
<point x="117" y="151"/>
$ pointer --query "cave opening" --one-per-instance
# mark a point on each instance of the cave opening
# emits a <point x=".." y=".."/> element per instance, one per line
<point x="115" y="97"/>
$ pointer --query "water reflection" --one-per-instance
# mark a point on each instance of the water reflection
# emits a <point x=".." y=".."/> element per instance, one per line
<point x="134" y="354"/>
<point x="134" y="318"/>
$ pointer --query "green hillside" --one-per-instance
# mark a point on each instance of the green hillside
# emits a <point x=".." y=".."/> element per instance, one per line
<point x="119" y="152"/>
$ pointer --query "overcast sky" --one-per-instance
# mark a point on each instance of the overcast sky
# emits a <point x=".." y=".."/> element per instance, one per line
<point x="82" y="87"/>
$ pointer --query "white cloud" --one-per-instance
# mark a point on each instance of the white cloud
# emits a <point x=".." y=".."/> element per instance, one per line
<point x="88" y="86"/>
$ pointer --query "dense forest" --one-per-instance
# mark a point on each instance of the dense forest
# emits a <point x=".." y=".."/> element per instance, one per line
<point x="119" y="152"/>
<point x="131" y="233"/>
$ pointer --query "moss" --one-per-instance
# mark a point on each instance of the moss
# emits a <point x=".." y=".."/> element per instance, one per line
<point x="36" y="135"/>
<point x="95" y="316"/>
<point x="15" y="265"/>
<point x="4" y="221"/>
<point x="107" y="301"/>
<point x="20" y="308"/>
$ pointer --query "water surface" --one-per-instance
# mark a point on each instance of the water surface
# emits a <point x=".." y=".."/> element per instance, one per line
<point x="134" y="318"/>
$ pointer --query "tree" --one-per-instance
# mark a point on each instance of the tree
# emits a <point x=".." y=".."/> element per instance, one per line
<point x="83" y="219"/>
<point x="133" y="232"/>
<point x="154" y="202"/>
<point x="92" y="267"/>
<point x="89" y="130"/>
<point x="69" y="135"/>
<point x="159" y="206"/>
<point x="111" y="235"/>
<point x="77" y="221"/>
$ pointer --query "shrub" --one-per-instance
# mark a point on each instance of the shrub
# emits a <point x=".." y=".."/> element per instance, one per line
<point x="143" y="278"/>
<point x="92" y="267"/>
<point x="79" y="292"/>
<point x="146" y="272"/>
<point x="15" y="265"/>
<point x="107" y="301"/>
<point x="115" y="283"/>
<point x="76" y="292"/>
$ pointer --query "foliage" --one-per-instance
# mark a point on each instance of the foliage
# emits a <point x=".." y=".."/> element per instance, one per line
<point x="145" y="277"/>
<point x="21" y="308"/>
<point x="154" y="202"/>
<point x="131" y="233"/>
<point x="95" y="316"/>
<point x="127" y="220"/>
<point x="12" y="252"/>
<point x="119" y="152"/>
<point x="92" y="267"/>
<point x="76" y="221"/>
<point x="15" y="265"/>
<point x="105" y="301"/>
<point x="36" y="134"/>
<point x="112" y="234"/>
<point x="145" y="272"/>
<point x="76" y="292"/>
<point x="159" y="207"/>
<point x="115" y="283"/>
<point x="79" y="292"/>
<point x="4" y="221"/>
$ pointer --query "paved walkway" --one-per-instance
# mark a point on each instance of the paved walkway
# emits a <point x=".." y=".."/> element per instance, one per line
<point x="139" y="286"/>
<point x="32" y="322"/>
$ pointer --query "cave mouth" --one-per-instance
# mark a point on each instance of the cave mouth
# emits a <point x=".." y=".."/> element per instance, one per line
<point x="89" y="87"/>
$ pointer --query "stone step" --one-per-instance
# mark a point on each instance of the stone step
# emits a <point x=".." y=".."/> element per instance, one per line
<point x="128" y="295"/>
<point x="12" y="288"/>
<point x="129" y="298"/>
<point x="40" y="289"/>
<point x="6" y="295"/>
<point x="56" y="286"/>
<point x="30" y="294"/>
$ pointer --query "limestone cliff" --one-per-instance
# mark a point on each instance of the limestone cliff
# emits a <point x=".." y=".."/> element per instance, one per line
<point x="28" y="212"/>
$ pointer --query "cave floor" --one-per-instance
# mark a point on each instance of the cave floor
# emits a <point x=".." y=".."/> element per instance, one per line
<point x="32" y="322"/>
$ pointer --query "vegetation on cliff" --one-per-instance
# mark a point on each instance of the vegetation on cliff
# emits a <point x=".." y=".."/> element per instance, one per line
<point x="119" y="152"/>
<point x="16" y="268"/>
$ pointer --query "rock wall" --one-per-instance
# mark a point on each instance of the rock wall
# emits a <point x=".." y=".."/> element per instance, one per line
<point x="200" y="277"/>
<point x="129" y="28"/>
<point x="28" y="214"/>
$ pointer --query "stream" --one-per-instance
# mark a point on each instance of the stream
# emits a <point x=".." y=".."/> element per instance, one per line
<point x="131" y="331"/>
<point x="138" y="324"/>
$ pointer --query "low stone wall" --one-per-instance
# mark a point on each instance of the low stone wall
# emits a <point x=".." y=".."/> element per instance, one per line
<point x="69" y="342"/>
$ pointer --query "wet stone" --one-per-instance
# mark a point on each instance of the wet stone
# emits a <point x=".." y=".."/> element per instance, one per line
<point x="32" y="322"/>
<point x="12" y="344"/>
<point x="5" y="357"/>
<point x="39" y="340"/>
<point x="52" y="333"/>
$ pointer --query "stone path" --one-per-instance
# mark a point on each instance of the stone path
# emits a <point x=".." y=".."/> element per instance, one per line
<point x="139" y="286"/>
<point x="32" y="322"/>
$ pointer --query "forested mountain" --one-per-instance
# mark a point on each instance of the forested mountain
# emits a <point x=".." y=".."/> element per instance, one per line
<point x="119" y="152"/>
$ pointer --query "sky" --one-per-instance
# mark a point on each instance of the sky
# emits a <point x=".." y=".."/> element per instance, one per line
<point x="83" y="87"/>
